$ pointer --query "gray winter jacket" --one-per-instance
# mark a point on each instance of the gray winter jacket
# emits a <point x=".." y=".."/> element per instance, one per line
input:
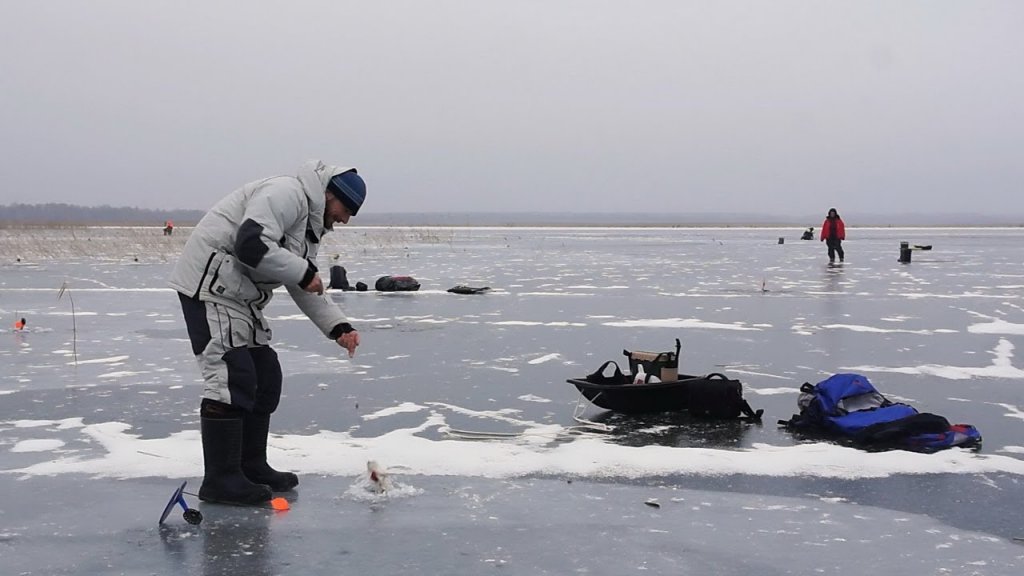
<point x="261" y="236"/>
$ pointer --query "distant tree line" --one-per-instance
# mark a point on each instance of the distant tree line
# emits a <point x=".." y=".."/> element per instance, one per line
<point x="72" y="214"/>
<point x="69" y="214"/>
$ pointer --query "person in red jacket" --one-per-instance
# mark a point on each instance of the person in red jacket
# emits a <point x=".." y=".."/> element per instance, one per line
<point x="833" y="232"/>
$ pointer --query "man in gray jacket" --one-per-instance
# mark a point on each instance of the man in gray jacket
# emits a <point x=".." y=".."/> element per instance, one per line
<point x="264" y="235"/>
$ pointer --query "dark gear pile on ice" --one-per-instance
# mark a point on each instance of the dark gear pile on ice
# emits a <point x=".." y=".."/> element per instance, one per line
<point x="848" y="406"/>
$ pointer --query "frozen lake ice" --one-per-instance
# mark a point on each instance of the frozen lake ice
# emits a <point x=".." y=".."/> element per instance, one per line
<point x="103" y="403"/>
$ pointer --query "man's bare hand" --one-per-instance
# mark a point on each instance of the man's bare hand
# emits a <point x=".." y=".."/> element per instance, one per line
<point x="315" y="286"/>
<point x="349" y="341"/>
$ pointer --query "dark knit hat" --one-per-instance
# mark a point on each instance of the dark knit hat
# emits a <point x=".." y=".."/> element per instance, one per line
<point x="349" y="188"/>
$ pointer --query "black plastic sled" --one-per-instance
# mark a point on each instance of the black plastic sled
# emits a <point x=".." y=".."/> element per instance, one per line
<point x="713" y="395"/>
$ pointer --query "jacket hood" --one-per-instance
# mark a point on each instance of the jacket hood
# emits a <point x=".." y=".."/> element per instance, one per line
<point x="314" y="176"/>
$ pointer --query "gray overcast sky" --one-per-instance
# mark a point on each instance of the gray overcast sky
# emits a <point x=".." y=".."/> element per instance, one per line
<point x="590" y="106"/>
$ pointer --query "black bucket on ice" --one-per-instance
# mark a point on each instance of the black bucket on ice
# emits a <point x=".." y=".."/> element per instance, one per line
<point x="339" y="278"/>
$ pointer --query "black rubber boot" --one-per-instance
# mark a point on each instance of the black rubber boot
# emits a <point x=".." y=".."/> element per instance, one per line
<point x="255" y="428"/>
<point x="223" y="480"/>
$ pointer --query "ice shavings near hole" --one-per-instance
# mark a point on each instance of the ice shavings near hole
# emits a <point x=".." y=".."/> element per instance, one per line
<point x="124" y="455"/>
<point x="39" y="445"/>
<point x="403" y="408"/>
<point x="363" y="489"/>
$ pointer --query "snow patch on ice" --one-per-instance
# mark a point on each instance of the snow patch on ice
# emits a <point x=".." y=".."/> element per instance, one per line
<point x="37" y="445"/>
<point x="111" y="360"/>
<point x="874" y="329"/>
<point x="403" y="408"/>
<point x="772" y="391"/>
<point x="545" y="358"/>
<point x="116" y="453"/>
<point x="679" y="323"/>
<point x="1000" y="367"/>
<point x="997" y="326"/>
<point x="533" y="398"/>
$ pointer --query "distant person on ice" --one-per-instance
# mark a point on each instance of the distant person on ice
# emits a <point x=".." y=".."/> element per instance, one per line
<point x="168" y="228"/>
<point x="20" y="324"/>
<point x="833" y="232"/>
<point x="261" y="236"/>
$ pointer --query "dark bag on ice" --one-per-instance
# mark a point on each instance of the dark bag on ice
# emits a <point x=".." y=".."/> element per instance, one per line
<point x="463" y="289"/>
<point x="339" y="278"/>
<point x="397" y="284"/>
<point x="716" y="396"/>
<point x="849" y="406"/>
<point x="893" y="431"/>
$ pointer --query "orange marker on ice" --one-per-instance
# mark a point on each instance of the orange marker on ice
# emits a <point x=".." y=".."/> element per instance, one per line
<point x="279" y="504"/>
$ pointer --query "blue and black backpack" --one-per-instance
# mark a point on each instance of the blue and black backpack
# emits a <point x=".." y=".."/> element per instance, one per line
<point x="849" y="406"/>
